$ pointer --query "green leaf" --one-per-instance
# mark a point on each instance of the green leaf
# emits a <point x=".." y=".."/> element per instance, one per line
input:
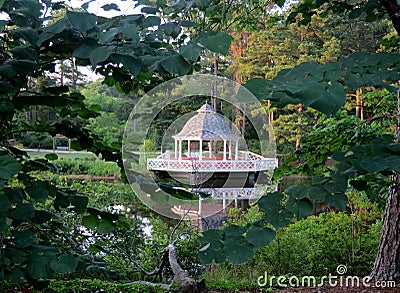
<point x="16" y="256"/>
<point x="82" y="21"/>
<point x="359" y="184"/>
<point x="338" y="201"/>
<point x="279" y="219"/>
<point x="108" y="7"/>
<point x="51" y="157"/>
<point x="238" y="250"/>
<point x="300" y="207"/>
<point x="90" y="221"/>
<point x="318" y="193"/>
<point x="16" y="276"/>
<point x="271" y="202"/>
<point x="191" y="51"/>
<point x="5" y="204"/>
<point x="234" y="230"/>
<point x="85" y="49"/>
<point x="151" y="21"/>
<point x="260" y="237"/>
<point x="23" y="211"/>
<point x="42" y="216"/>
<point x="99" y="55"/>
<point x="131" y="31"/>
<point x="15" y="195"/>
<point x="131" y="63"/>
<point x="218" y="42"/>
<point x="105" y="227"/>
<point x="4" y="225"/>
<point x="28" y="34"/>
<point x="24" y="238"/>
<point x="80" y="202"/>
<point x="298" y="191"/>
<point x="38" y="191"/>
<point x="373" y="164"/>
<point x="176" y="64"/>
<point x="9" y="166"/>
<point x="39" y="267"/>
<point x="64" y="264"/>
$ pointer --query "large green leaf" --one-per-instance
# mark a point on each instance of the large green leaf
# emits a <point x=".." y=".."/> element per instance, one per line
<point x="105" y="227"/>
<point x="260" y="237"/>
<point x="9" y="166"/>
<point x="5" y="204"/>
<point x="28" y="34"/>
<point x="191" y="51"/>
<point x="90" y="221"/>
<point x="131" y="63"/>
<point x="39" y="267"/>
<point x="82" y="21"/>
<point x="23" y="211"/>
<point x="99" y="55"/>
<point x="299" y="207"/>
<point x="64" y="264"/>
<point x="238" y="250"/>
<point x="24" y="238"/>
<point x="80" y="202"/>
<point x="218" y="42"/>
<point x="38" y="191"/>
<point x="176" y="64"/>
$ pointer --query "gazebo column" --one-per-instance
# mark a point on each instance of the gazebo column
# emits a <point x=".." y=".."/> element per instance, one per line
<point x="188" y="149"/>
<point x="237" y="150"/>
<point x="210" y="149"/>
<point x="224" y="150"/>
<point x="176" y="149"/>
<point x="230" y="150"/>
<point x="180" y="150"/>
<point x="201" y="150"/>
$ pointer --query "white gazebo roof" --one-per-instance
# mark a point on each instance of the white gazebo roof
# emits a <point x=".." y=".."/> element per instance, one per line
<point x="207" y="124"/>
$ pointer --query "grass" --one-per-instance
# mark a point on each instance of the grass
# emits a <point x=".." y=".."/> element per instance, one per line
<point x="63" y="155"/>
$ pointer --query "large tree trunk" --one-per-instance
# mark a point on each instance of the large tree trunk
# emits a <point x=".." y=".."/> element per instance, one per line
<point x="386" y="266"/>
<point x="387" y="261"/>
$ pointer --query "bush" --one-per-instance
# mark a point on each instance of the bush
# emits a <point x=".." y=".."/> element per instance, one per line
<point x="318" y="244"/>
<point x="37" y="140"/>
<point x="87" y="166"/>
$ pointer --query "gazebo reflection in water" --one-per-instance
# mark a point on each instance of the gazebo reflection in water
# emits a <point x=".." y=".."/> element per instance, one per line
<point x="207" y="156"/>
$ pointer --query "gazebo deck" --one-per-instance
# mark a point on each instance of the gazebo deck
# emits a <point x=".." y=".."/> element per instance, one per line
<point x="247" y="162"/>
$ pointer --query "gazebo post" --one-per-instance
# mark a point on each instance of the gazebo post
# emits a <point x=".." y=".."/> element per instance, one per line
<point x="210" y="149"/>
<point x="180" y="150"/>
<point x="237" y="150"/>
<point x="230" y="150"/>
<point x="188" y="148"/>
<point x="201" y="150"/>
<point x="224" y="149"/>
<point x="176" y="149"/>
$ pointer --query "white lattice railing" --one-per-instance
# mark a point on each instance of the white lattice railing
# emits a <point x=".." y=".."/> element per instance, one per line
<point x="236" y="193"/>
<point x="212" y="165"/>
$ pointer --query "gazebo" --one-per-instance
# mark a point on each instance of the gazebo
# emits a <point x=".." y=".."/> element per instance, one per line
<point x="207" y="127"/>
<point x="206" y="154"/>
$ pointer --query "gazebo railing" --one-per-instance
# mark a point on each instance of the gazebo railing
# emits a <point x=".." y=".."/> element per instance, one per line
<point x="212" y="165"/>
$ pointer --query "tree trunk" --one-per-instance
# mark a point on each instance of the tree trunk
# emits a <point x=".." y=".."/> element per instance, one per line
<point x="387" y="261"/>
<point x="188" y="285"/>
<point x="393" y="9"/>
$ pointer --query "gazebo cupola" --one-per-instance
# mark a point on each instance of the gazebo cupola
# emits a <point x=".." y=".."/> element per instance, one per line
<point x="202" y="134"/>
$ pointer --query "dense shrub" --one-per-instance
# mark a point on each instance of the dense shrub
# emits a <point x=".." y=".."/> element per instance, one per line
<point x="87" y="166"/>
<point x="317" y="245"/>
<point x="38" y="140"/>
